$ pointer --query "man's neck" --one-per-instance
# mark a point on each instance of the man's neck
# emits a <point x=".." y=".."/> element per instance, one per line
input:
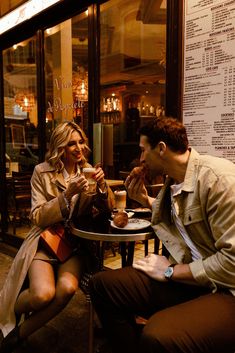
<point x="177" y="169"/>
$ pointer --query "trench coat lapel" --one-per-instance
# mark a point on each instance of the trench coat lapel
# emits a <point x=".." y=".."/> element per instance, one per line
<point x="59" y="181"/>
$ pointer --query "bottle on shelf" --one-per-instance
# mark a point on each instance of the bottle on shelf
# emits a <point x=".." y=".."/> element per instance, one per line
<point x="151" y="110"/>
<point x="8" y="164"/>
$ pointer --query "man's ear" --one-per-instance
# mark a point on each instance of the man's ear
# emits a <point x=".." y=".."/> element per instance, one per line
<point x="162" y="148"/>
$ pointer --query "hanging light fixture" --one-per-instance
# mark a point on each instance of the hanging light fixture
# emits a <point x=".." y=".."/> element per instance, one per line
<point x="80" y="84"/>
<point x="26" y="101"/>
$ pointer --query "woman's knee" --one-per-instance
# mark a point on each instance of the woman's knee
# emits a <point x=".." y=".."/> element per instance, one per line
<point x="42" y="297"/>
<point x="65" y="291"/>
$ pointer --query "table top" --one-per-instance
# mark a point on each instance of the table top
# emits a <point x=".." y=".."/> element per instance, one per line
<point x="98" y="228"/>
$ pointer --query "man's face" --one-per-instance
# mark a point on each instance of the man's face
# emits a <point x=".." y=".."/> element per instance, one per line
<point x="150" y="157"/>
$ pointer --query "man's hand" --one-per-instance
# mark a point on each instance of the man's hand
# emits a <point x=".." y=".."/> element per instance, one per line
<point x="154" y="266"/>
<point x="137" y="191"/>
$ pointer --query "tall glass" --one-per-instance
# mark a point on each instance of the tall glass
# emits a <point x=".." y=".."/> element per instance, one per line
<point x="120" y="199"/>
<point x="88" y="173"/>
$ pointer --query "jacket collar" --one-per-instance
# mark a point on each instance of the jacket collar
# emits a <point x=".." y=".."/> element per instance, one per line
<point x="160" y="205"/>
<point x="191" y="171"/>
<point x="57" y="178"/>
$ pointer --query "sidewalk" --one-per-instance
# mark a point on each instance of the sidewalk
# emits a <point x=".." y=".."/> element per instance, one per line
<point x="68" y="332"/>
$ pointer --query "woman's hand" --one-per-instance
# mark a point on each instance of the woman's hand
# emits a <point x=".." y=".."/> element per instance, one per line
<point x="76" y="186"/>
<point x="99" y="177"/>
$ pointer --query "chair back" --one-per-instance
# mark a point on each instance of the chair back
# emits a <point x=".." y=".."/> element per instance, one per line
<point x="21" y="190"/>
<point x="19" y="199"/>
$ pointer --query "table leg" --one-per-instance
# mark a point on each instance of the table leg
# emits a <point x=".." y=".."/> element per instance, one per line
<point x="101" y="249"/>
<point x="130" y="253"/>
<point x="123" y="253"/>
<point x="156" y="245"/>
<point x="127" y="253"/>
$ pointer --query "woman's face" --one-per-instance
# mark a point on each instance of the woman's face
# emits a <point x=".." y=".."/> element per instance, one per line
<point x="74" y="151"/>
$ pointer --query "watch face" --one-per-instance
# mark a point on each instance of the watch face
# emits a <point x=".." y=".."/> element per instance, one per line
<point x="169" y="272"/>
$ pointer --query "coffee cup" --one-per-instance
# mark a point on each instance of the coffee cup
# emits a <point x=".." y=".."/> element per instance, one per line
<point x="88" y="173"/>
<point x="120" y="199"/>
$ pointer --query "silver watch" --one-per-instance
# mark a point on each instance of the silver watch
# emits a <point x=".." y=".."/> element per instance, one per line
<point x="169" y="272"/>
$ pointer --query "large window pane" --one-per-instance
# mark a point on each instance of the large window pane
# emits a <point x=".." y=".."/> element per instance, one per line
<point x="66" y="72"/>
<point x="132" y="66"/>
<point x="21" y="121"/>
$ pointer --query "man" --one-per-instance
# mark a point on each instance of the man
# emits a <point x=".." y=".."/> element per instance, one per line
<point x="187" y="298"/>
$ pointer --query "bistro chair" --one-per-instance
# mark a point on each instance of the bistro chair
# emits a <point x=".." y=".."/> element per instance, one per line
<point x="84" y="286"/>
<point x="19" y="200"/>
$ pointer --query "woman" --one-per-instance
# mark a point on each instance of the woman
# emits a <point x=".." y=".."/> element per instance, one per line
<point x="37" y="284"/>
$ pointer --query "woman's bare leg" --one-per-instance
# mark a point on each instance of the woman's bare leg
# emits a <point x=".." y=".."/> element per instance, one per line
<point x="43" y="298"/>
<point x="41" y="288"/>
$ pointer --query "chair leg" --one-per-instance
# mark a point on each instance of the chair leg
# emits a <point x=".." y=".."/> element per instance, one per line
<point x="146" y="247"/>
<point x="90" y="325"/>
<point x="84" y="286"/>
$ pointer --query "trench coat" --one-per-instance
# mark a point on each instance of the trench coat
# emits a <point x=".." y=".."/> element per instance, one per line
<point x="47" y="207"/>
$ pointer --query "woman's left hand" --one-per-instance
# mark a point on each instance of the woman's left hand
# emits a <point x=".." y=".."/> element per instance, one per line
<point x="99" y="177"/>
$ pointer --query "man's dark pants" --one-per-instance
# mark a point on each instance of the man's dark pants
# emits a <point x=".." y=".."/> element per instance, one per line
<point x="182" y="318"/>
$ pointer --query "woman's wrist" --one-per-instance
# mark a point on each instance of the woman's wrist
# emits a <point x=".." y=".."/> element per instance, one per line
<point x="66" y="199"/>
<point x="102" y="186"/>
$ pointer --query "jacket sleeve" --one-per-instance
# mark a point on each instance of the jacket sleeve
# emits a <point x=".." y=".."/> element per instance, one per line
<point x="45" y="210"/>
<point x="218" y="269"/>
<point x="104" y="202"/>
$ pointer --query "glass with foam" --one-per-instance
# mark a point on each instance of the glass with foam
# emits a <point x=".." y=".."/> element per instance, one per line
<point x="88" y="173"/>
<point x="120" y="199"/>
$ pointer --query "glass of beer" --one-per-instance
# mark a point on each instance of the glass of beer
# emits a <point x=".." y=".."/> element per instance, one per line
<point x="88" y="173"/>
<point x="120" y="199"/>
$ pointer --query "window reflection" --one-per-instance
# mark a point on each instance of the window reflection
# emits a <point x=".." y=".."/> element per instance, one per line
<point x="66" y="58"/>
<point x="132" y="67"/>
<point x="20" y="95"/>
<point x="20" y="107"/>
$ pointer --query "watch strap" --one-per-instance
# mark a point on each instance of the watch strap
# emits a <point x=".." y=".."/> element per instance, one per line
<point x="169" y="277"/>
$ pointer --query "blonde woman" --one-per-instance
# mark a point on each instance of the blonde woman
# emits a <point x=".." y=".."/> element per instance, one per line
<point x="37" y="284"/>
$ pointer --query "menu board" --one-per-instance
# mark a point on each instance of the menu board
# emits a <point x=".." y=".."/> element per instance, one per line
<point x="209" y="76"/>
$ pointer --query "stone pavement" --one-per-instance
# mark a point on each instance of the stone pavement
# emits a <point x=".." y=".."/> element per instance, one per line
<point x="66" y="333"/>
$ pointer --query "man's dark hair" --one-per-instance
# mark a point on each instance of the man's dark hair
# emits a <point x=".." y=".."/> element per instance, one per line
<point x="166" y="129"/>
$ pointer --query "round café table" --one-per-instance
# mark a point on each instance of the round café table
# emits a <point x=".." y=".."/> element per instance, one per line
<point x="98" y="229"/>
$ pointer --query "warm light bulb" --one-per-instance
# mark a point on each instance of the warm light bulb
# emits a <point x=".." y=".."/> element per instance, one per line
<point x="83" y="91"/>
<point x="26" y="102"/>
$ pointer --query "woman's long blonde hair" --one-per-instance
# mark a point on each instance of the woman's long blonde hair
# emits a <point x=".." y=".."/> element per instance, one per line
<point x="59" y="140"/>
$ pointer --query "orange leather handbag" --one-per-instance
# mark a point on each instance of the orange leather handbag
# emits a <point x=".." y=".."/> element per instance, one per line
<point x="55" y="241"/>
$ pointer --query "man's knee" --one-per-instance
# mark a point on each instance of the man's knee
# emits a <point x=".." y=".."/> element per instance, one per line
<point x="99" y="282"/>
<point x="157" y="337"/>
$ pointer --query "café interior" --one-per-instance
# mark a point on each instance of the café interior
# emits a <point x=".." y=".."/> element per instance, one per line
<point x="104" y="65"/>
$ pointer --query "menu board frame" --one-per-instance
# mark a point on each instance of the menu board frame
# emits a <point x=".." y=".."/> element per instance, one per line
<point x="208" y="87"/>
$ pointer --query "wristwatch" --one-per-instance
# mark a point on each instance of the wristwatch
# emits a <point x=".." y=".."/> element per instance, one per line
<point x="169" y="272"/>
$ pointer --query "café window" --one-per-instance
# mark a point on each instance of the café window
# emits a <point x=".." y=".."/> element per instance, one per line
<point x="21" y="121"/>
<point x="66" y="72"/>
<point x="132" y="71"/>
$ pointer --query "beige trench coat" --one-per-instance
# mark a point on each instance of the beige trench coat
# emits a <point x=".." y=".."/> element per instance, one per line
<point x="48" y="207"/>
